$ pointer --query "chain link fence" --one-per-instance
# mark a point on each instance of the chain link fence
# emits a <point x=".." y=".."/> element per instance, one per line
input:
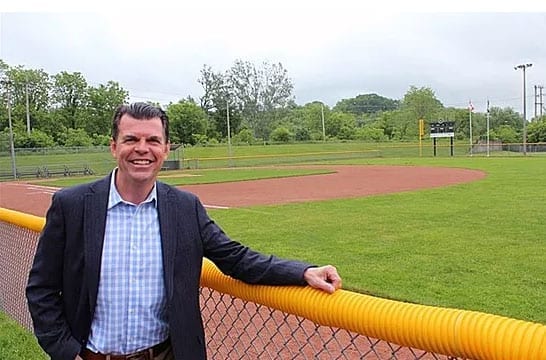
<point x="261" y="322"/>
<point x="237" y="329"/>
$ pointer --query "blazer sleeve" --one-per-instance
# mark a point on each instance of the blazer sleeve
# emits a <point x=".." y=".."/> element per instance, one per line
<point x="44" y="289"/>
<point x="243" y="263"/>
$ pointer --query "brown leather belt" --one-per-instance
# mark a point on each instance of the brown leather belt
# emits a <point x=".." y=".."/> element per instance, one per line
<point x="147" y="354"/>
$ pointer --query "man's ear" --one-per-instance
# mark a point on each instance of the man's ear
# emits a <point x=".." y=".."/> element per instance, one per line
<point x="113" y="147"/>
<point x="167" y="149"/>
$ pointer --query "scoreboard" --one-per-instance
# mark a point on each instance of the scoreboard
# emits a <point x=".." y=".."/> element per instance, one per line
<point x="442" y="129"/>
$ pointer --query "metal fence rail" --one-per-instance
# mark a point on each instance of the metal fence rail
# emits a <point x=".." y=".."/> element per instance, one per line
<point x="262" y="322"/>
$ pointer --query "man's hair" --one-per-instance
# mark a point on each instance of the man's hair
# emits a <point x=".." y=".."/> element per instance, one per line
<point x="140" y="111"/>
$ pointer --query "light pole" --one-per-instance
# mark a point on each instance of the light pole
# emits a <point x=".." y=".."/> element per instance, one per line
<point x="523" y="67"/>
<point x="7" y="84"/>
<point x="228" y="134"/>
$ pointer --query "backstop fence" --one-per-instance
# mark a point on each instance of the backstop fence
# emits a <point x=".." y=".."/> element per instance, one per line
<point x="265" y="322"/>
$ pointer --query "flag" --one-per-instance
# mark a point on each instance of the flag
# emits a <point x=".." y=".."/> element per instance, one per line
<point x="470" y="106"/>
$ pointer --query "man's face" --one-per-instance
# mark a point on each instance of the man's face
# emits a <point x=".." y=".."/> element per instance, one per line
<point x="140" y="150"/>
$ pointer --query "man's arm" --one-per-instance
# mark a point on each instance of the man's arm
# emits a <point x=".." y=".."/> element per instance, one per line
<point x="243" y="263"/>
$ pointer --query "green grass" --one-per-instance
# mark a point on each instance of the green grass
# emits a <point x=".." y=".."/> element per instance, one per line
<point x="16" y="343"/>
<point x="476" y="246"/>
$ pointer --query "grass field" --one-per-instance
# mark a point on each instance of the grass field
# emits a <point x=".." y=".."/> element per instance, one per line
<point x="476" y="246"/>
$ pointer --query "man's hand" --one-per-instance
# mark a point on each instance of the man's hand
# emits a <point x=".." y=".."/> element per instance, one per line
<point x="324" y="278"/>
<point x="78" y="357"/>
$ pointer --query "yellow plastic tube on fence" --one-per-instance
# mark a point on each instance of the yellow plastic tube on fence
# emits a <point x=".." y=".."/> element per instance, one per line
<point x="459" y="333"/>
<point x="453" y="332"/>
<point x="31" y="222"/>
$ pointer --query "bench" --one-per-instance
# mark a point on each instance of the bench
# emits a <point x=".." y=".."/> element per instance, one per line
<point x="6" y="175"/>
<point x="64" y="170"/>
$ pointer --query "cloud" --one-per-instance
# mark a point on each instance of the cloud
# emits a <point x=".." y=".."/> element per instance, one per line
<point x="331" y="53"/>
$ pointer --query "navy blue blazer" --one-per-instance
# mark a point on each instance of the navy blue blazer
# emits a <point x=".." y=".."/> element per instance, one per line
<point x="64" y="278"/>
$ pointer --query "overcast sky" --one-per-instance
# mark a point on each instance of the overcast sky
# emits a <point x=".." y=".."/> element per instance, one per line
<point x="331" y="52"/>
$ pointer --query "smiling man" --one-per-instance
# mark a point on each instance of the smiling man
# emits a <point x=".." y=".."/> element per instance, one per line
<point x="117" y="268"/>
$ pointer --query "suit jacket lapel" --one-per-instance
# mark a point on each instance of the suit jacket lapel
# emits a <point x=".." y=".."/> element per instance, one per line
<point x="167" y="226"/>
<point x="95" y="207"/>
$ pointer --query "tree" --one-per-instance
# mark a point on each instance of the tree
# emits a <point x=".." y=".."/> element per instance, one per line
<point x="77" y="137"/>
<point x="418" y="103"/>
<point x="340" y="125"/>
<point x="101" y="105"/>
<point x="259" y="91"/>
<point x="70" y="98"/>
<point x="506" y="134"/>
<point x="366" y="104"/>
<point x="281" y="134"/>
<point x="33" y="85"/>
<point x="187" y="122"/>
<point x="309" y="117"/>
<point x="36" y="139"/>
<point x="536" y="131"/>
<point x="255" y="96"/>
<point x="216" y="101"/>
<point x="244" y="137"/>
<point x="370" y="133"/>
<point x="386" y="123"/>
<point x="507" y="116"/>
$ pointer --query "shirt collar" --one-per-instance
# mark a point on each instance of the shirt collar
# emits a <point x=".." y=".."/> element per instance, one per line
<point x="115" y="198"/>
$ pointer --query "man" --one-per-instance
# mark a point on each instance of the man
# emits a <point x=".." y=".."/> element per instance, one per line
<point x="117" y="267"/>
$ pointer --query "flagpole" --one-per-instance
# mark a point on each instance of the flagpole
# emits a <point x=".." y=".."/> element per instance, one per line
<point x="470" y="118"/>
<point x="487" y="128"/>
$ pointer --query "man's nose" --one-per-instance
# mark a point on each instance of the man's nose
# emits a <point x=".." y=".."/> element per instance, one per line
<point x="141" y="145"/>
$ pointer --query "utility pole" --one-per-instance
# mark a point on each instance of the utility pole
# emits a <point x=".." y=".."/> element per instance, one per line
<point x="523" y="67"/>
<point x="228" y="133"/>
<point x="539" y="104"/>
<point x="28" y="112"/>
<point x="7" y="84"/>
<point x="323" y="129"/>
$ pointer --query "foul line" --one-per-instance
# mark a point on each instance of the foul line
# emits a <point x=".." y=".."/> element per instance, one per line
<point x="216" y="207"/>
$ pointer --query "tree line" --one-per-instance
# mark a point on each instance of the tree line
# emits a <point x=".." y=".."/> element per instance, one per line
<point x="255" y="102"/>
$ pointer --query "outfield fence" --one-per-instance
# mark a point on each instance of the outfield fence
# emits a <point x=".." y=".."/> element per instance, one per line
<point x="43" y="163"/>
<point x="263" y="322"/>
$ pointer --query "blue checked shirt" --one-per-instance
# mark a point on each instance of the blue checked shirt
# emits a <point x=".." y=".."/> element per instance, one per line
<point x="130" y="314"/>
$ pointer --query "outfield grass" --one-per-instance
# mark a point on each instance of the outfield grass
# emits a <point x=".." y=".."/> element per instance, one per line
<point x="476" y="246"/>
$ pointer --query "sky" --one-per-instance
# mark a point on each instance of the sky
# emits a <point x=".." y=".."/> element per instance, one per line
<point x="465" y="51"/>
